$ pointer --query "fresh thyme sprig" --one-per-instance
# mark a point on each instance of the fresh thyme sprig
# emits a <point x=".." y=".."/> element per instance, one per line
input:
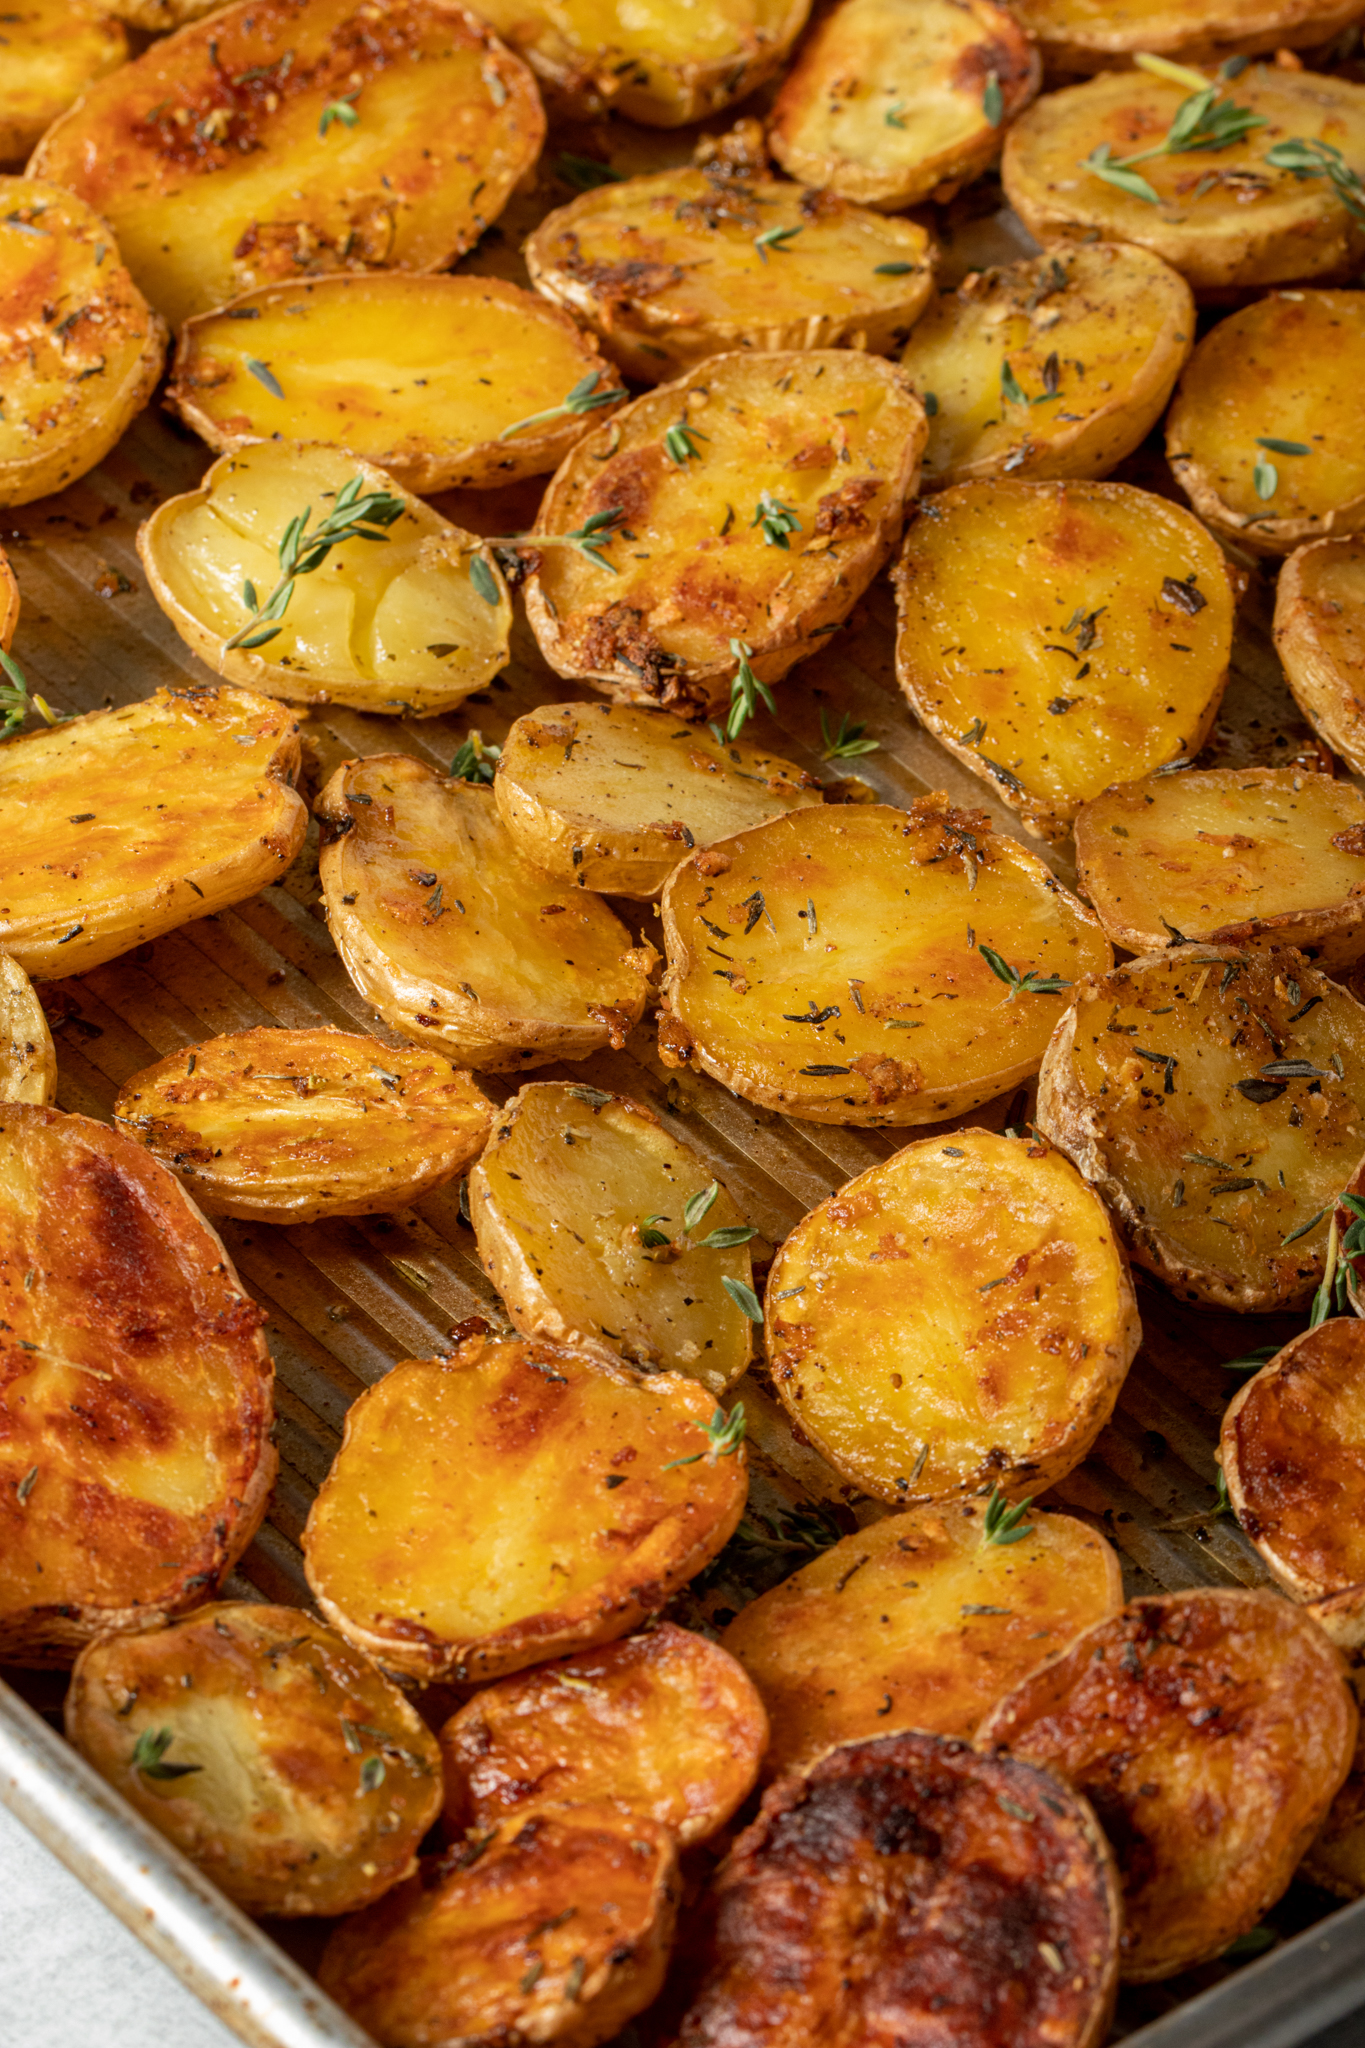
<point x="149" y="1750"/>
<point x="1030" y="984"/>
<point x="357" y="514"/>
<point x="1203" y="121"/>
<point x="726" y="1434"/>
<point x="17" y="700"/>
<point x="678" y="442"/>
<point x="847" y="743"/>
<point x="585" y="173"/>
<point x="586" y="396"/>
<point x="1320" y="160"/>
<point x="1005" y="1524"/>
<point x="342" y="110"/>
<point x="993" y="100"/>
<point x="776" y="519"/>
<point x="775" y="239"/>
<point x="695" y="1210"/>
<point x="745" y="691"/>
<point x="476" y="759"/>
<point x="589" y="539"/>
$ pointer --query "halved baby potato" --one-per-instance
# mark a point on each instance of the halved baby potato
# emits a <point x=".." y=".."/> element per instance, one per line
<point x="214" y="158"/>
<point x="125" y="824"/>
<point x="1058" y="636"/>
<point x="892" y="100"/>
<point x="517" y="1501"/>
<point x="1320" y="638"/>
<point x="28" y="1058"/>
<point x="743" y="509"/>
<point x="53" y="49"/>
<point x="872" y="923"/>
<point x="454" y="938"/>
<point x="273" y="1754"/>
<point x="1078" y="35"/>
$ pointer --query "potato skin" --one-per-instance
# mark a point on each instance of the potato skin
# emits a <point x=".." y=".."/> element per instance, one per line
<point x="1075" y="37"/>
<point x="1336" y="1859"/>
<point x="52" y="51"/>
<point x="9" y="601"/>
<point x="1319" y="616"/>
<point x="28" y="1058"/>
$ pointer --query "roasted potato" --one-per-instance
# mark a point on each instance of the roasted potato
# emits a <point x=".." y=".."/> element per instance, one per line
<point x="516" y="1501"/>
<point x="157" y="17"/>
<point x="891" y="101"/>
<point x="573" y="816"/>
<point x="424" y="888"/>
<point x="1227" y="221"/>
<point x="474" y="358"/>
<point x="1211" y="1731"/>
<point x="294" y="1775"/>
<point x="287" y="1126"/>
<point x="1320" y="638"/>
<point x="1075" y="35"/>
<point x="1235" y="856"/>
<point x="888" y="911"/>
<point x="411" y="626"/>
<point x="221" y="162"/>
<point x="665" y="1724"/>
<point x="80" y="349"/>
<point x="744" y="508"/>
<point x="1336" y="1859"/>
<point x="9" y="601"/>
<point x="1001" y="583"/>
<point x="907" y="1889"/>
<point x="124" y="824"/>
<point x="135" y="1453"/>
<point x="28" y="1058"/>
<point x="52" y="51"/>
<point x="1236" y="1109"/>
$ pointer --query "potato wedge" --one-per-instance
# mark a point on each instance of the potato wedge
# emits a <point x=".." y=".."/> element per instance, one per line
<point x="474" y="357"/>
<point x="863" y="918"/>
<point x="911" y="1890"/>
<point x="80" y="349"/>
<point x="1056" y="637"/>
<point x="288" y="1126"/>
<point x="1076" y="35"/>
<point x="513" y="1502"/>
<point x="1226" y="222"/>
<point x="296" y="1777"/>
<point x="837" y="1655"/>
<point x="135" y="1454"/>
<point x="211" y="157"/>
<point x="52" y="51"/>
<point x="124" y="824"/>
<point x="891" y="100"/>
<point x="1216" y="1099"/>
<point x="1211" y="1731"/>
<point x="579" y="1205"/>
<point x="28" y="1058"/>
<point x="424" y="889"/>
<point x="1320" y="638"/>
<point x="762" y="537"/>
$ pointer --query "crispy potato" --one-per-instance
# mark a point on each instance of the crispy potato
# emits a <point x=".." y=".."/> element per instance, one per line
<point x="1226" y="222"/>
<point x="135" y="1453"/>
<point x="124" y="824"/>
<point x="1235" y="856"/>
<point x="1211" y="1731"/>
<point x="578" y="1206"/>
<point x="1057" y="636"/>
<point x="295" y="1776"/>
<point x="886" y="910"/>
<point x="425" y="888"/>
<point x="1320" y="638"/>
<point x="52" y="51"/>
<point x="1077" y="35"/>
<point x="28" y="1058"/>
<point x="891" y="100"/>
<point x="1216" y="1099"/>
<point x="474" y="357"/>
<point x="80" y="349"/>
<point x="763" y="536"/>
<point x="554" y="1929"/>
<point x="513" y="1502"/>
<point x="1336" y="1859"/>
<point x="211" y="157"/>
<point x="908" y="1889"/>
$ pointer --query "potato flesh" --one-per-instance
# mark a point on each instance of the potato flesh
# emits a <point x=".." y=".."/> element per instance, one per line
<point x="52" y="52"/>
<point x="1320" y="638"/>
<point x="28" y="1059"/>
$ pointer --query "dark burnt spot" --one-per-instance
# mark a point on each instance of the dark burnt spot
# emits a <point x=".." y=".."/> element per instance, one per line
<point x="901" y="1832"/>
<point x="618" y="284"/>
<point x="619" y="637"/>
<point x="1008" y="60"/>
<point x="841" y="511"/>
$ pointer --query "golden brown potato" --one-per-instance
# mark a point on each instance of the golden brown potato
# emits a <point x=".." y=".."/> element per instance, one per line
<point x="425" y="889"/>
<point x="423" y="376"/>
<point x="52" y="51"/>
<point x="272" y="1753"/>
<point x="908" y="1889"/>
<point x="1056" y="637"/>
<point x="745" y="507"/>
<point x="135" y="1453"/>
<point x="1216" y="1099"/>
<point x="80" y="349"/>
<point x="1211" y="1731"/>
<point x="887" y="910"/>
<point x="222" y="163"/>
<point x="1336" y="1859"/>
<point x="1320" y="638"/>
<point x="28" y="1058"/>
<point x="124" y="824"/>
<point x="892" y="100"/>
<point x="1077" y="35"/>
<point x="516" y="1501"/>
<point x="9" y="601"/>
<point x="157" y="17"/>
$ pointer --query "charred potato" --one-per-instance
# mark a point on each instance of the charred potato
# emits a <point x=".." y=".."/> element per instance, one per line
<point x="1320" y="638"/>
<point x="52" y="51"/>
<point x="28" y="1058"/>
<point x="1075" y="35"/>
<point x="202" y="1726"/>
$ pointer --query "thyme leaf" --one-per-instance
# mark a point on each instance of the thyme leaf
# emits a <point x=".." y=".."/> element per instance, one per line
<point x="476" y="759"/>
<point x="847" y="743"/>
<point x="1030" y="984"/>
<point x="586" y="396"/>
<point x="1004" y="1524"/>
<point x="775" y="239"/>
<point x="149" y="1750"/>
<point x="357" y="514"/>
<point x="16" y="700"/>
<point x="745" y="692"/>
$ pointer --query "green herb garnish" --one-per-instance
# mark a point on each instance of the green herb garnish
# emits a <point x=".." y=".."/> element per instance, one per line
<point x="678" y="442"/>
<point x="847" y="743"/>
<point x="358" y="514"/>
<point x="476" y="759"/>
<point x="775" y="239"/>
<point x="149" y="1750"/>
<point x="1030" y="984"/>
<point x="1005" y="1524"/>
<point x="776" y="519"/>
<point x="586" y="396"/>
<point x="342" y="110"/>
<point x="745" y="691"/>
<point x="16" y="701"/>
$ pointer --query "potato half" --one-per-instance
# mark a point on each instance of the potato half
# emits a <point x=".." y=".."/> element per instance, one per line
<point x="212" y="156"/>
<point x="891" y="100"/>
<point x="273" y="1754"/>
<point x="1077" y="35"/>
<point x="124" y="824"/>
<point x="762" y="535"/>
<point x="455" y="939"/>
<point x="1320" y="638"/>
<point x="1056" y="366"/>
<point x="1211" y="1730"/>
<point x="135" y="1459"/>
<point x="513" y="1502"/>
<point x="28" y="1058"/>
<point x="1057" y="637"/>
<point x="80" y="349"/>
<point x="52" y="51"/>
<point x="865" y="919"/>
<point x="837" y="1654"/>
<point x="419" y="375"/>
<point x="1216" y="1098"/>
